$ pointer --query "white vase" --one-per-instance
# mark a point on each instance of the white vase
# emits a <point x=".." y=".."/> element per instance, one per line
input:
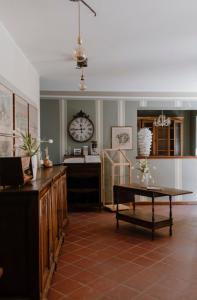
<point x="144" y="141"/>
<point x="144" y="179"/>
<point x="34" y="163"/>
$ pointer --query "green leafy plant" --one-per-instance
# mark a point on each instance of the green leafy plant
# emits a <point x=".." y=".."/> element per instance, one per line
<point x="29" y="144"/>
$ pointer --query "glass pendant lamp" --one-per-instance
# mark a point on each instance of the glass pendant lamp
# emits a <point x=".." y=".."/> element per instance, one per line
<point x="79" y="54"/>
<point x="82" y="85"/>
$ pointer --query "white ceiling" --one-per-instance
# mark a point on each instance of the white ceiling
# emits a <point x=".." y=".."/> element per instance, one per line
<point x="132" y="45"/>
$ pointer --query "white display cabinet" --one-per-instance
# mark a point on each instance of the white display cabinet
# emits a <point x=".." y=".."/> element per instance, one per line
<point x="116" y="170"/>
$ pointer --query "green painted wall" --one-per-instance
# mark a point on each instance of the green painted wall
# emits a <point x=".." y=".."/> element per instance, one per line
<point x="110" y="118"/>
<point x="50" y="127"/>
<point x="131" y="120"/>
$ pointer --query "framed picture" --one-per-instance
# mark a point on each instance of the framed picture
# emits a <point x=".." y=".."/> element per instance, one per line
<point x="21" y="114"/>
<point x="20" y="121"/>
<point x="122" y="137"/>
<point x="6" y="146"/>
<point x="33" y="121"/>
<point x="6" y="110"/>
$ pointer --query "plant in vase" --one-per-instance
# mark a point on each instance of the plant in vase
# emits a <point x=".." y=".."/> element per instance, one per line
<point x="30" y="146"/>
<point x="144" y="171"/>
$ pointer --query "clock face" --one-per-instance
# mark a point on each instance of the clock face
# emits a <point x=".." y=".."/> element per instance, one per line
<point x="81" y="129"/>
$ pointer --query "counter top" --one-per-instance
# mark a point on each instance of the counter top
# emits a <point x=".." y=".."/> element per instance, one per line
<point x="44" y="177"/>
<point x="166" y="157"/>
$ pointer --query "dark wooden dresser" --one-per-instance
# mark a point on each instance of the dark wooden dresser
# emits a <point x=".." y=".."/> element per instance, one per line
<point x="84" y="186"/>
<point x="32" y="221"/>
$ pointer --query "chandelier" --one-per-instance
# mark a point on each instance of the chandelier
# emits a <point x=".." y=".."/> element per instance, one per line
<point x="79" y="54"/>
<point x="162" y="121"/>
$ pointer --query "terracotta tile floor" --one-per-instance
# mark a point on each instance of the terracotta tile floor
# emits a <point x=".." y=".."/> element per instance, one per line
<point x="99" y="263"/>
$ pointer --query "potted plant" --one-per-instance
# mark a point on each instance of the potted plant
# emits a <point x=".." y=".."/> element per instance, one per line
<point x="30" y="146"/>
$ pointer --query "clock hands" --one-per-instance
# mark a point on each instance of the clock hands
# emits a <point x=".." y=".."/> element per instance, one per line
<point x="79" y="129"/>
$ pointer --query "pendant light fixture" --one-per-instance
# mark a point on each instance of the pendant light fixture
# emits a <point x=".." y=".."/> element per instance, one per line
<point x="82" y="85"/>
<point x="162" y="121"/>
<point x="79" y="54"/>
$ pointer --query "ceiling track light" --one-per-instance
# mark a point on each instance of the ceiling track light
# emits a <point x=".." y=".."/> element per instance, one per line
<point x="87" y="5"/>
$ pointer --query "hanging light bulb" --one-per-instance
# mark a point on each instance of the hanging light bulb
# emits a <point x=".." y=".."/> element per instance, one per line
<point x="82" y="85"/>
<point x="79" y="54"/>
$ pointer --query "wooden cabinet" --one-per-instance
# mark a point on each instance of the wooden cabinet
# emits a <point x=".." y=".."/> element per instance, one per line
<point x="32" y="223"/>
<point x="167" y="140"/>
<point x="84" y="185"/>
<point x="46" y="245"/>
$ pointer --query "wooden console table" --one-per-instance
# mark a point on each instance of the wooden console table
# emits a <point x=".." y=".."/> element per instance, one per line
<point x="126" y="193"/>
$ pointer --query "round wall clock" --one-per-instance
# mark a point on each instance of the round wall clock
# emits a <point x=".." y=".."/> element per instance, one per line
<point x="81" y="128"/>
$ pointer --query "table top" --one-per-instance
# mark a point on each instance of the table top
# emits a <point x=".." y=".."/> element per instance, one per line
<point x="154" y="190"/>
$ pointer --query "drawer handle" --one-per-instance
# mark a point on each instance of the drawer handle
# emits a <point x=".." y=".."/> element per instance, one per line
<point x="1" y="272"/>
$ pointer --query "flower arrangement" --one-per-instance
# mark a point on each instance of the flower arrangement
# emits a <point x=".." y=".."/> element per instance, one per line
<point x="144" y="141"/>
<point x="144" y="171"/>
<point x="143" y="166"/>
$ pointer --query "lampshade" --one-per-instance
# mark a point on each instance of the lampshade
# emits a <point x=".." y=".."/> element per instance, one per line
<point x="82" y="85"/>
<point x="79" y="54"/>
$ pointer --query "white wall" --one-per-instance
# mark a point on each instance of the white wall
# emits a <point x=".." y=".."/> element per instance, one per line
<point x="16" y="72"/>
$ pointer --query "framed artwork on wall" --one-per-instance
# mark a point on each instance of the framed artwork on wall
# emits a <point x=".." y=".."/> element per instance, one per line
<point x="122" y="137"/>
<point x="20" y="121"/>
<point x="20" y="114"/>
<point x="6" y="110"/>
<point x="33" y="121"/>
<point x="6" y="146"/>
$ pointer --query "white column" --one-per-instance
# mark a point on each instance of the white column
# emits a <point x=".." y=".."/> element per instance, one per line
<point x="121" y="113"/>
<point x="121" y="122"/>
<point x="99" y="123"/>
<point x="178" y="165"/>
<point x="63" y="127"/>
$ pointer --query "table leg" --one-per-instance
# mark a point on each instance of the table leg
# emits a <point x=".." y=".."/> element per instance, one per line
<point x="153" y="217"/>
<point x="133" y="203"/>
<point x="117" y="210"/>
<point x="170" y="231"/>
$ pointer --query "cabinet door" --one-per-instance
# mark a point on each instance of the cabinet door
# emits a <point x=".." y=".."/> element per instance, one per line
<point x="54" y="215"/>
<point x="163" y="141"/>
<point x="46" y="256"/>
<point x="63" y="203"/>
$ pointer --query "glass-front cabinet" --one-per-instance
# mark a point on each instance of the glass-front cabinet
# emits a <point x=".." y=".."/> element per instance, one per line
<point x="166" y="140"/>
